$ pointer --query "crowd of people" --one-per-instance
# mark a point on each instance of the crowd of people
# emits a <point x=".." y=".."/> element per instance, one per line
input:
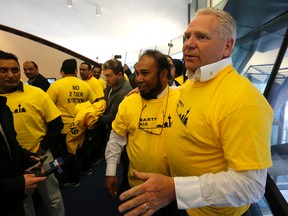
<point x="190" y="143"/>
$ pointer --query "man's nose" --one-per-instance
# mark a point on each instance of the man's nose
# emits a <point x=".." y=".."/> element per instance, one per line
<point x="10" y="73"/>
<point x="190" y="43"/>
<point x="139" y="77"/>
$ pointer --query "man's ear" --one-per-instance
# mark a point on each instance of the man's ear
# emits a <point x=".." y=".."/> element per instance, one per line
<point x="122" y="73"/>
<point x="229" y="47"/>
<point x="164" y="74"/>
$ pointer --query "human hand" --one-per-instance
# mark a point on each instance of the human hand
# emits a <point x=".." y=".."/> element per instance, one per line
<point x="111" y="185"/>
<point x="156" y="192"/>
<point x="31" y="183"/>
<point x="37" y="163"/>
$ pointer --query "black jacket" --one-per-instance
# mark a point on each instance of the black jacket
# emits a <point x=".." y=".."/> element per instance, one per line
<point x="40" y="82"/>
<point x="12" y="183"/>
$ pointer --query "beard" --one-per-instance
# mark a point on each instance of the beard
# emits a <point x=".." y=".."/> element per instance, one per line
<point x="152" y="94"/>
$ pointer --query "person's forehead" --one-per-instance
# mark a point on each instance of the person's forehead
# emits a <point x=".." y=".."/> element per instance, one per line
<point x="28" y="64"/>
<point x="201" y="23"/>
<point x="8" y="63"/>
<point x="146" y="62"/>
<point x="84" y="66"/>
<point x="108" y="71"/>
<point x="96" y="69"/>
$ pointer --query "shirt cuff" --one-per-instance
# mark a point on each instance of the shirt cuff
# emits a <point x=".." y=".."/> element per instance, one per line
<point x="111" y="170"/>
<point x="188" y="192"/>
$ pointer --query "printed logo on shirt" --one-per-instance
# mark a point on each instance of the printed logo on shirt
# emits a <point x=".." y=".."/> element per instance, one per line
<point x="20" y="109"/>
<point x="153" y="121"/>
<point x="182" y="112"/>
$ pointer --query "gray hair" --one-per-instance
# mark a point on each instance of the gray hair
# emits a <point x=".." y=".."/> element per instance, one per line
<point x="227" y="24"/>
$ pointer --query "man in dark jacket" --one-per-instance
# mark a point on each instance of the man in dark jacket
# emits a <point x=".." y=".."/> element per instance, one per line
<point x="38" y="124"/>
<point x="35" y="78"/>
<point x="14" y="183"/>
<point x="117" y="88"/>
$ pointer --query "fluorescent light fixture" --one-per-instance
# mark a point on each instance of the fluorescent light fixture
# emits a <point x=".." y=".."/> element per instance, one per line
<point x="98" y="10"/>
<point x="69" y="3"/>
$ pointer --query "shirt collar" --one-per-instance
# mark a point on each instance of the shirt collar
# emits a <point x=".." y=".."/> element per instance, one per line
<point x="30" y="81"/>
<point x="209" y="71"/>
<point x="163" y="92"/>
<point x="20" y="87"/>
<point x="89" y="77"/>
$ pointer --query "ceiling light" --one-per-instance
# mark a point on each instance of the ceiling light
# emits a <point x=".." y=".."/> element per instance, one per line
<point x="98" y="10"/>
<point x="69" y="3"/>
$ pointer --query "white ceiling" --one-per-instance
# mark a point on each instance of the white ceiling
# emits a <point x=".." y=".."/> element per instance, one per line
<point x="124" y="26"/>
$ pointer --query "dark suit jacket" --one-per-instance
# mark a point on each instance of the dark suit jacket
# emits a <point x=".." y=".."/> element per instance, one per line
<point x="40" y="82"/>
<point x="12" y="183"/>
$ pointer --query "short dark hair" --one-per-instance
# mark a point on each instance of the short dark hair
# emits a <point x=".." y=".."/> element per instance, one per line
<point x="114" y="65"/>
<point x="8" y="56"/>
<point x="179" y="66"/>
<point x="69" y="66"/>
<point x="97" y="66"/>
<point x="159" y="58"/>
<point x="89" y="65"/>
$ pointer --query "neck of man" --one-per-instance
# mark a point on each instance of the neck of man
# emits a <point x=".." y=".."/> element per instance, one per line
<point x="117" y="84"/>
<point x="69" y="75"/>
<point x="156" y="92"/>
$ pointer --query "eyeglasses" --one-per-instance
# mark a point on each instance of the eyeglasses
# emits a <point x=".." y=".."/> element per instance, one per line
<point x="151" y="124"/>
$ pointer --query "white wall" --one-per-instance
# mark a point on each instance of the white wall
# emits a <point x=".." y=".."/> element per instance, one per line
<point x="49" y="60"/>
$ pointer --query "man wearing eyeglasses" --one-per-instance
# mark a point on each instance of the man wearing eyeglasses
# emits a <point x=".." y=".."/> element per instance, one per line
<point x="143" y="122"/>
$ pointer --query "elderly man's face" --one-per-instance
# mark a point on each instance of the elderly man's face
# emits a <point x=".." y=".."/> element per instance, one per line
<point x="204" y="44"/>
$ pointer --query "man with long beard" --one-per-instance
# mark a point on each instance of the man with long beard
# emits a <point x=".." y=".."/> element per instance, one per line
<point x="143" y="122"/>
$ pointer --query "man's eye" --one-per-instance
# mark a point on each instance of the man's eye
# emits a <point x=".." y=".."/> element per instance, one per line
<point x="3" y="70"/>
<point x="15" y="70"/>
<point x="145" y="73"/>
<point x="202" y="37"/>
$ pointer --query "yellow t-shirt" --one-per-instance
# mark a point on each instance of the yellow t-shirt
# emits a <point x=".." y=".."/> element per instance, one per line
<point x="102" y="83"/>
<point x="135" y="118"/>
<point x="66" y="93"/>
<point x="221" y="123"/>
<point x="180" y="79"/>
<point x="126" y="77"/>
<point x="96" y="86"/>
<point x="32" y="109"/>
